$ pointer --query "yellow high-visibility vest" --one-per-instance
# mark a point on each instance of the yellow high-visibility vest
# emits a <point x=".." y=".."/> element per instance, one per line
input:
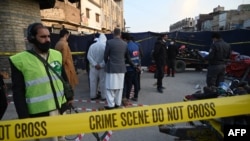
<point x="39" y="95"/>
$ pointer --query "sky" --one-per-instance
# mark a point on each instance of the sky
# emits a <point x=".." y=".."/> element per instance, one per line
<point x="158" y="15"/>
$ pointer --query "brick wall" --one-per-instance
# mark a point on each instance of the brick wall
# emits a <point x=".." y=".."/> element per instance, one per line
<point x="15" y="16"/>
<point x="65" y="14"/>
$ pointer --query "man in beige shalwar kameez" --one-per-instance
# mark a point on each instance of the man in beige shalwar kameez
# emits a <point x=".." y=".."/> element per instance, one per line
<point x="63" y="47"/>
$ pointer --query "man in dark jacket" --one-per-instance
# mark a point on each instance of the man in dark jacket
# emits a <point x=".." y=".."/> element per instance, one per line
<point x="160" y="57"/>
<point x="131" y="76"/>
<point x="172" y="52"/>
<point x="219" y="53"/>
<point x="141" y="54"/>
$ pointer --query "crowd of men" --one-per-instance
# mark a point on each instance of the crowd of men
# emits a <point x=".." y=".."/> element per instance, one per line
<point x="114" y="69"/>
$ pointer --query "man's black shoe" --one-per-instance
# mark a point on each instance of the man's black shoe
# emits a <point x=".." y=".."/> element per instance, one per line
<point x="109" y="108"/>
<point x="98" y="96"/>
<point x="163" y="87"/>
<point x="117" y="106"/>
<point x="103" y="99"/>
<point x="94" y="98"/>
<point x="134" y="99"/>
<point x="159" y="90"/>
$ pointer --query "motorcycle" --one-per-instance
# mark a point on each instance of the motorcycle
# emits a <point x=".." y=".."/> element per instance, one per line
<point x="211" y="129"/>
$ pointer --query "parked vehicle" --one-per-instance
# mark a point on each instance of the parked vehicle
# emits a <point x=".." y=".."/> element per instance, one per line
<point x="190" y="58"/>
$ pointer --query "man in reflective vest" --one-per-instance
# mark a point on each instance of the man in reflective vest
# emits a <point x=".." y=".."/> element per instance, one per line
<point x="37" y="91"/>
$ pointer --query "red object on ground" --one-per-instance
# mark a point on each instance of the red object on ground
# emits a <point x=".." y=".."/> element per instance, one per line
<point x="152" y="68"/>
<point x="238" y="66"/>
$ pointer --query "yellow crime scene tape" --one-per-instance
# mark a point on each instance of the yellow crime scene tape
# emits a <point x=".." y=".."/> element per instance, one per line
<point x="240" y="43"/>
<point x="189" y="43"/>
<point x="144" y="39"/>
<point x="125" y="118"/>
<point x="77" y="53"/>
<point x="83" y="53"/>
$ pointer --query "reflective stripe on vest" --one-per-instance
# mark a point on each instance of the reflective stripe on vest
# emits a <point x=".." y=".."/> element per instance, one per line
<point x="135" y="58"/>
<point x="40" y="80"/>
<point x="128" y="65"/>
<point x="43" y="97"/>
<point x="135" y="61"/>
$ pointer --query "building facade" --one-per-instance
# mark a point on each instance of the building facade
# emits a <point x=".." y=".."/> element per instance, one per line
<point x="15" y="16"/>
<point x="84" y="16"/>
<point x="187" y="24"/>
<point x="219" y="19"/>
<point x="79" y="16"/>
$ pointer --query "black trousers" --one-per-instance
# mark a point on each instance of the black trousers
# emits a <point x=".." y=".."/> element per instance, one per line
<point x="159" y="74"/>
<point x="3" y="102"/>
<point x="215" y="75"/>
<point x="131" y="78"/>
<point x="171" y="67"/>
<point x="139" y="80"/>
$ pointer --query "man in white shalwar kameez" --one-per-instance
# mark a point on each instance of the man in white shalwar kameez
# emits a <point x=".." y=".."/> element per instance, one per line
<point x="96" y="73"/>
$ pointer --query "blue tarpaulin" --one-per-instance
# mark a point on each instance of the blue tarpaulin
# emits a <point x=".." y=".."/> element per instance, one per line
<point x="239" y="40"/>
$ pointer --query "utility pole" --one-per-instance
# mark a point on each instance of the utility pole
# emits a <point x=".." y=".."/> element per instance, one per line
<point x="126" y="29"/>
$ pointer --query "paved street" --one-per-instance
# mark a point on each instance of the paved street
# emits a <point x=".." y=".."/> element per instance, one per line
<point x="176" y="87"/>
